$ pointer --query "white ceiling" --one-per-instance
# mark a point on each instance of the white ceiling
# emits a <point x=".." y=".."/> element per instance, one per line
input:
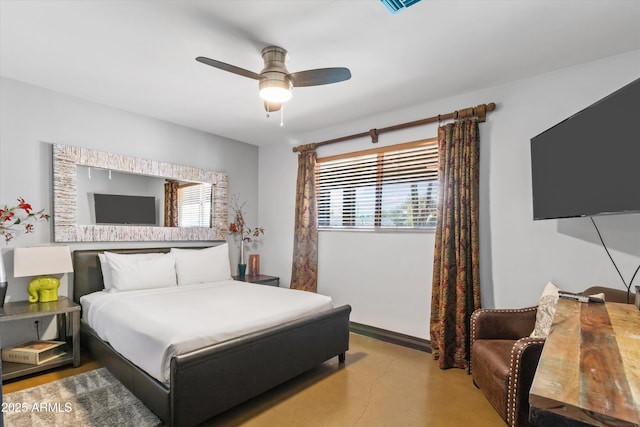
<point x="139" y="55"/>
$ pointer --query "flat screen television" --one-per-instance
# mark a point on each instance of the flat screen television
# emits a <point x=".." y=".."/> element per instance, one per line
<point x="589" y="164"/>
<point x="121" y="209"/>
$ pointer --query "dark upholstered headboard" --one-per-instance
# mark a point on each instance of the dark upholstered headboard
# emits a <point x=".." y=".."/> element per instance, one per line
<point x="87" y="275"/>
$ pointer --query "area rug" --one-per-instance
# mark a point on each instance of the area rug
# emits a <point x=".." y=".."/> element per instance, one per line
<point x="93" y="398"/>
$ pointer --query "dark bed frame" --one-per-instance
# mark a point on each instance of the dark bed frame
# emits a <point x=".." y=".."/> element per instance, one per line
<point x="210" y="380"/>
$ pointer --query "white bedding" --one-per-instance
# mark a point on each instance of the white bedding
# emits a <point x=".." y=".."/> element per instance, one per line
<point x="150" y="326"/>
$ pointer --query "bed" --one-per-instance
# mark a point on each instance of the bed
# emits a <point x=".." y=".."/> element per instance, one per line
<point x="205" y="381"/>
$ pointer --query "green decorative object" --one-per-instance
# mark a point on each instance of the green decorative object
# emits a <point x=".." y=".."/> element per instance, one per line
<point x="242" y="269"/>
<point x="43" y="289"/>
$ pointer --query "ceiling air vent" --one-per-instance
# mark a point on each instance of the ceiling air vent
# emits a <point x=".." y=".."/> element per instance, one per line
<point x="395" y="6"/>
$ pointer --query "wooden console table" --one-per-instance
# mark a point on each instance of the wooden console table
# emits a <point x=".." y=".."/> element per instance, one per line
<point x="589" y="371"/>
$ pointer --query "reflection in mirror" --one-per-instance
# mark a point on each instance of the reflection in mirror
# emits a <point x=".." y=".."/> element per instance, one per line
<point x="94" y="182"/>
<point x="186" y="203"/>
<point x="194" y="205"/>
<point x="172" y="203"/>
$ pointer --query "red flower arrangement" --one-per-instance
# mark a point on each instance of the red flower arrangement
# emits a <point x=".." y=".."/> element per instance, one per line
<point x="239" y="226"/>
<point x="19" y="219"/>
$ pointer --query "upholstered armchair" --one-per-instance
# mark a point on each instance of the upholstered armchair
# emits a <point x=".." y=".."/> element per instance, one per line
<point x="504" y="358"/>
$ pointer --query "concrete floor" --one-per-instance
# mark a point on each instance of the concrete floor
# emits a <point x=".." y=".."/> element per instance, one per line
<point x="381" y="384"/>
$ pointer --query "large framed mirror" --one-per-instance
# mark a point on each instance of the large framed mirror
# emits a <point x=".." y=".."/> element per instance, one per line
<point x="80" y="181"/>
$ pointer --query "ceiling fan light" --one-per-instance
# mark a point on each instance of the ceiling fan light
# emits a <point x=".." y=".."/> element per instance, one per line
<point x="275" y="94"/>
<point x="276" y="91"/>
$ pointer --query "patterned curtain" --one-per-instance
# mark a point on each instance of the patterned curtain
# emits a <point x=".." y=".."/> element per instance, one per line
<point x="456" y="273"/>
<point x="171" y="203"/>
<point x="304" y="274"/>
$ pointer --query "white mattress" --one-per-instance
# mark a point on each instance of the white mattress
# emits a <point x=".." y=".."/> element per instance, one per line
<point x="150" y="326"/>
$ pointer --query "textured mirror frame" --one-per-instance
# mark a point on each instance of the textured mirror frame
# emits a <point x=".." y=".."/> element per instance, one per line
<point x="66" y="158"/>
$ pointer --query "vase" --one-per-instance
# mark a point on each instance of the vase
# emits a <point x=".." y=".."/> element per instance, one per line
<point x="254" y="264"/>
<point x="3" y="281"/>
<point x="242" y="268"/>
<point x="241" y="259"/>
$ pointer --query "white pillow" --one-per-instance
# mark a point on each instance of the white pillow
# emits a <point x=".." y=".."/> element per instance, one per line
<point x="107" y="278"/>
<point x="130" y="272"/>
<point x="202" y="265"/>
<point x="546" y="311"/>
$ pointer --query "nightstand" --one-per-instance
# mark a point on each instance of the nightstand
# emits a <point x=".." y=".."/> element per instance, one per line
<point x="260" y="279"/>
<point x="65" y="310"/>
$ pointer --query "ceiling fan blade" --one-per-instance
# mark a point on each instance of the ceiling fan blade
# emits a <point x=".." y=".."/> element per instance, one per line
<point x="228" y="67"/>
<point x="321" y="76"/>
<point x="271" y="107"/>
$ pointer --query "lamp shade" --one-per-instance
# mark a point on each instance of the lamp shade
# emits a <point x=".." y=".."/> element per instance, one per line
<point x="36" y="261"/>
<point x="3" y="272"/>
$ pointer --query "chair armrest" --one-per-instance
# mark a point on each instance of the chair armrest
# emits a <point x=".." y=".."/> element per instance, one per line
<point x="612" y="295"/>
<point x="525" y="355"/>
<point x="502" y="324"/>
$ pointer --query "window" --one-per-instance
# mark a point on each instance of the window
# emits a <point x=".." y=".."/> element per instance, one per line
<point x="194" y="205"/>
<point x="393" y="187"/>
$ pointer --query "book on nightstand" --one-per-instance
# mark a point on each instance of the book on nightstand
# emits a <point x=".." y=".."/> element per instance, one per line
<point x="34" y="352"/>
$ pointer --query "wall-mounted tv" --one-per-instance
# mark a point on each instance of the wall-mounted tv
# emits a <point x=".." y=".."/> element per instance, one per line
<point x="121" y="209"/>
<point x="589" y="164"/>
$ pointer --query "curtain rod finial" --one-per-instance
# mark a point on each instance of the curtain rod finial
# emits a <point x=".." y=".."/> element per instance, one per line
<point x="374" y="135"/>
<point x="303" y="148"/>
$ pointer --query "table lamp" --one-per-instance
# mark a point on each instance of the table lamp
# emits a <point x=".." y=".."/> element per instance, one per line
<point x="42" y="261"/>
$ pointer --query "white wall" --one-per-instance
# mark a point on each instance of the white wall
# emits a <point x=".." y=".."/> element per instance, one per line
<point x="386" y="277"/>
<point x="32" y="118"/>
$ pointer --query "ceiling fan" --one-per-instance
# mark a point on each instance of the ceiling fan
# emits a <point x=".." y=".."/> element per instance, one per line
<point x="275" y="81"/>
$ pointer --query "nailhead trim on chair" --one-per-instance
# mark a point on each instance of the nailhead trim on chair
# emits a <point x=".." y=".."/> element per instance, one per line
<point x="478" y="312"/>
<point x="516" y="353"/>
<point x="474" y="316"/>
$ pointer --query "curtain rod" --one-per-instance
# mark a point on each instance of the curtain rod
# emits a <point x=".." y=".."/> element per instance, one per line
<point x="479" y="111"/>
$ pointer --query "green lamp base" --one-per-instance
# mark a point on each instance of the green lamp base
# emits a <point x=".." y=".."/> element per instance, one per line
<point x="44" y="289"/>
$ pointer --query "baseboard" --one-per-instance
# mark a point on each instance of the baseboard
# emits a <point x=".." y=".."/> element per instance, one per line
<point x="390" y="336"/>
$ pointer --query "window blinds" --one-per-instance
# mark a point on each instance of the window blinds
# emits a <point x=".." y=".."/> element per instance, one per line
<point x="389" y="187"/>
<point x="194" y="205"/>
